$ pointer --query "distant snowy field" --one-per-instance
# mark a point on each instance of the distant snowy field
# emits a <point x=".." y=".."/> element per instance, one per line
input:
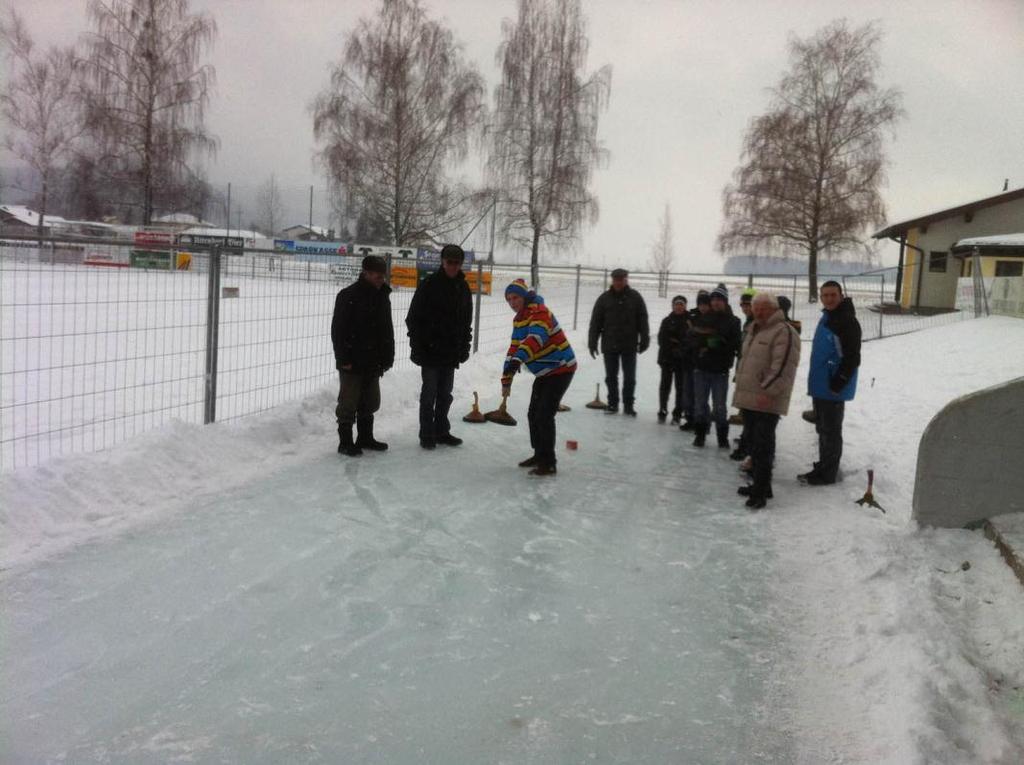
<point x="240" y="593"/>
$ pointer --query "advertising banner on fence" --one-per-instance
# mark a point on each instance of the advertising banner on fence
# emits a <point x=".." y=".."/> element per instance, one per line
<point x="347" y="270"/>
<point x="232" y="245"/>
<point x="152" y="250"/>
<point x="153" y="240"/>
<point x="151" y="259"/>
<point x="362" y="250"/>
<point x="316" y="252"/>
<point x="116" y="257"/>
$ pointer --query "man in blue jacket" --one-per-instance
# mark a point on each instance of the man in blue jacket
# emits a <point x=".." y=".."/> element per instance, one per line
<point x="832" y="379"/>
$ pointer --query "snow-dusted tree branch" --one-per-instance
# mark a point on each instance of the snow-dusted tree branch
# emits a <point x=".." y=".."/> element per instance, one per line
<point x="39" y="105"/>
<point x="269" y="208"/>
<point x="399" y="111"/>
<point x="543" y="140"/>
<point x="812" y="166"/>
<point x="662" y="250"/>
<point x="146" y="92"/>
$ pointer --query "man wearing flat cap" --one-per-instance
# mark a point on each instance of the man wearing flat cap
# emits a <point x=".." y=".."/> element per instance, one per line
<point x="440" y="330"/>
<point x="364" y="349"/>
<point x="619" y="322"/>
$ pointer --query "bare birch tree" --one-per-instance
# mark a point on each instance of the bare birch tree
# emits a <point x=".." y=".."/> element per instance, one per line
<point x="269" y="208"/>
<point x="39" y="106"/>
<point x="543" y="140"/>
<point x="400" y="110"/>
<point x="662" y="250"/>
<point x="812" y="166"/>
<point x="146" y="93"/>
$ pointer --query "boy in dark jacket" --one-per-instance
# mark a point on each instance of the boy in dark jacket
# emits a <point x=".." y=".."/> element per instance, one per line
<point x="716" y="336"/>
<point x="440" y="330"/>
<point x="672" y="358"/>
<point x="364" y="349"/>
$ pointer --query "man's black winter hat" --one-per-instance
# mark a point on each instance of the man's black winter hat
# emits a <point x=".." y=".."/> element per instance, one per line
<point x="620" y="273"/>
<point x="785" y="304"/>
<point x="453" y="252"/>
<point x="703" y="298"/>
<point x="679" y="299"/>
<point x="375" y="264"/>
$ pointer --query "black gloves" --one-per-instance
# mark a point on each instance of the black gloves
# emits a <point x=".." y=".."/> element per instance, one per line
<point x="593" y="352"/>
<point x="838" y="382"/>
<point x="645" y="343"/>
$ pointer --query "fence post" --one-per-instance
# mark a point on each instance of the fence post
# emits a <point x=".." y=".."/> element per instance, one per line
<point x="576" y="302"/>
<point x="309" y="265"/>
<point x="605" y="286"/>
<point x="253" y="266"/>
<point x="212" y="336"/>
<point x="881" y="305"/>
<point x="795" y="278"/>
<point x="476" y="319"/>
<point x="750" y="281"/>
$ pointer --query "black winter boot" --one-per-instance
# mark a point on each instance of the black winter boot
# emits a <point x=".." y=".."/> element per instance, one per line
<point x="345" y="445"/>
<point x="723" y="436"/>
<point x="701" y="432"/>
<point x="366" y="439"/>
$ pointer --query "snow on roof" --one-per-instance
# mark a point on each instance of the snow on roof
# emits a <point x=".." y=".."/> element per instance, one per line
<point x="30" y="217"/>
<point x="183" y="218"/>
<point x="999" y="240"/>
<point x="233" y="232"/>
<point x="318" y="230"/>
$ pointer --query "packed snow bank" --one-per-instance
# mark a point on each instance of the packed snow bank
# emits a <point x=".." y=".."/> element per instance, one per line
<point x="909" y="644"/>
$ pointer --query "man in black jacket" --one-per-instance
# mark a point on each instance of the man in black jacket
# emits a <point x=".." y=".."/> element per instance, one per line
<point x="619" y="320"/>
<point x="439" y="323"/>
<point x="364" y="349"/>
<point x="717" y="337"/>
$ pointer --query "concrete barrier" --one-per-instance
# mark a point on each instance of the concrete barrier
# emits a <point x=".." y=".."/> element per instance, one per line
<point x="970" y="464"/>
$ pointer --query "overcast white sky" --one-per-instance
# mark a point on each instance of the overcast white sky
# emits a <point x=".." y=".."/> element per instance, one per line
<point x="687" y="76"/>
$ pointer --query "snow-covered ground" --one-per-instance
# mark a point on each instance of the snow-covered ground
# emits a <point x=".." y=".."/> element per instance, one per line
<point x="240" y="593"/>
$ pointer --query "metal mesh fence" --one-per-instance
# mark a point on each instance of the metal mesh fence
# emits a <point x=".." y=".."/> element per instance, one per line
<point x="94" y="351"/>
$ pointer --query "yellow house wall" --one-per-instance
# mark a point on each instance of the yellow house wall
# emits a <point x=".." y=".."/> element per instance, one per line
<point x="938" y="290"/>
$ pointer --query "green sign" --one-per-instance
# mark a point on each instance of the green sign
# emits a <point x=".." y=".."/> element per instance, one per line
<point x="160" y="261"/>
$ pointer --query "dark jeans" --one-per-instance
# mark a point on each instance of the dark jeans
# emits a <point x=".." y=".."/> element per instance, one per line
<point x="435" y="401"/>
<point x="358" y="396"/>
<point x="611" y="377"/>
<point x="715" y="384"/>
<point x="829" y="424"/>
<point x="683" y="380"/>
<point x="689" y="397"/>
<point x="759" y="428"/>
<point x="544" y="400"/>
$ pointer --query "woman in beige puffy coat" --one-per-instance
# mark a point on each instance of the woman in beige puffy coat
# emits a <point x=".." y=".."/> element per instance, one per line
<point x="764" y="383"/>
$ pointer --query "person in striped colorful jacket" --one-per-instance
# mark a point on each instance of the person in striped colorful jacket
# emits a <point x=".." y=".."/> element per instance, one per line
<point x="539" y="343"/>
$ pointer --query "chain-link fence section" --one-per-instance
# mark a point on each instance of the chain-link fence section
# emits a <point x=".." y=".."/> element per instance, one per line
<point x="103" y="340"/>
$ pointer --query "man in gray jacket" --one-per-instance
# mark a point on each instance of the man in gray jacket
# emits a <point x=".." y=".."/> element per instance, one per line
<point x="619" y="321"/>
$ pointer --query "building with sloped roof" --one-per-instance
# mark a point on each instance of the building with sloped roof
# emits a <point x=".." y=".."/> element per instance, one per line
<point x="928" y="271"/>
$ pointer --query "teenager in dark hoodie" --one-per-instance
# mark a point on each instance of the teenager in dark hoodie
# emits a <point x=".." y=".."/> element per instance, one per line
<point x="717" y="335"/>
<point x="673" y="360"/>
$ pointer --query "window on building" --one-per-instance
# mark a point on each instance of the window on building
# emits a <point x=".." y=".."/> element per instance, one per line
<point x="1010" y="268"/>
<point x="937" y="262"/>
